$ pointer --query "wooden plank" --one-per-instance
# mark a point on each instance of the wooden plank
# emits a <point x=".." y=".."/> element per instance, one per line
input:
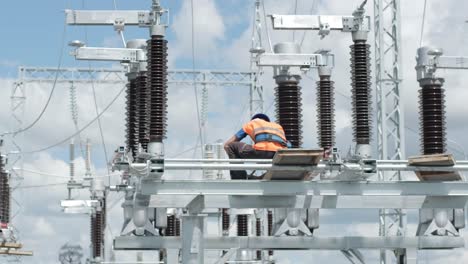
<point x="15" y="252"/>
<point x="10" y="245"/>
<point x="298" y="157"/>
<point x="439" y="176"/>
<point x="435" y="160"/>
<point x="291" y="157"/>
<point x="432" y="160"/>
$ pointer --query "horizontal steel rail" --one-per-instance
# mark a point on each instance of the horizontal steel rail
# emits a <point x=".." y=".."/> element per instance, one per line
<point x="296" y="243"/>
<point x="288" y="188"/>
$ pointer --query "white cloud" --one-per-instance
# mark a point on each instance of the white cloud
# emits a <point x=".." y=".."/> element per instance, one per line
<point x="43" y="228"/>
<point x="208" y="28"/>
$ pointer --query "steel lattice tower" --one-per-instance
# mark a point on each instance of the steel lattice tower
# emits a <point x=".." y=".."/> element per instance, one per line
<point x="256" y="89"/>
<point x="390" y="121"/>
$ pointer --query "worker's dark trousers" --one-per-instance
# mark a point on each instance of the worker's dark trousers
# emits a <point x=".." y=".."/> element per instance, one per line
<point x="239" y="150"/>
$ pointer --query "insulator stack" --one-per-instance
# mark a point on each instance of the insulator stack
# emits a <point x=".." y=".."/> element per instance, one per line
<point x="270" y="228"/>
<point x="432" y="115"/>
<point x="157" y="77"/>
<point x="361" y="92"/>
<point x="258" y="232"/>
<point x="161" y="255"/>
<point x="177" y="227"/>
<point x="170" y="230"/>
<point x="132" y="117"/>
<point x="143" y="98"/>
<point x="4" y="194"/>
<point x="326" y="112"/>
<point x="96" y="234"/>
<point x="226" y="222"/>
<point x="242" y="225"/>
<point x="289" y="110"/>
<point x="98" y="224"/>
<point x="104" y="215"/>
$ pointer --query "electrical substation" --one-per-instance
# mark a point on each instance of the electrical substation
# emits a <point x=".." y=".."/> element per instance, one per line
<point x="279" y="208"/>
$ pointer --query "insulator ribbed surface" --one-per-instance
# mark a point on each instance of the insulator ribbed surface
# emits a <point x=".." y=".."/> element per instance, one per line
<point x="170" y="230"/>
<point x="432" y="118"/>
<point x="161" y="255"/>
<point x="177" y="227"/>
<point x="326" y="112"/>
<point x="270" y="228"/>
<point x="96" y="234"/>
<point x="4" y="193"/>
<point x="289" y="111"/>
<point x="242" y="225"/>
<point x="361" y="92"/>
<point x="98" y="224"/>
<point x="157" y="78"/>
<point x="226" y="221"/>
<point x="132" y="117"/>
<point x="143" y="99"/>
<point x="258" y="232"/>
<point x="4" y="198"/>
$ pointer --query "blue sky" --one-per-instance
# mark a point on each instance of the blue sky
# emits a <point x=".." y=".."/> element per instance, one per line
<point x="32" y="33"/>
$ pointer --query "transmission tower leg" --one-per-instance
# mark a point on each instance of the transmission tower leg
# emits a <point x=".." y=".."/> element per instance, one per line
<point x="390" y="117"/>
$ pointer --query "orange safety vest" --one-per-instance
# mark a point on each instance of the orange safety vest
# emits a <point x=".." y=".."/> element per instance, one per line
<point x="259" y="128"/>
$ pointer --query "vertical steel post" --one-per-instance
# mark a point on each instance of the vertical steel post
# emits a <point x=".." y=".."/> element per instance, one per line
<point x="390" y="119"/>
<point x="192" y="244"/>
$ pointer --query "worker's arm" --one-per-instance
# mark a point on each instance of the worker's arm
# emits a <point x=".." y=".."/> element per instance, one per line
<point x="236" y="138"/>
<point x="231" y="139"/>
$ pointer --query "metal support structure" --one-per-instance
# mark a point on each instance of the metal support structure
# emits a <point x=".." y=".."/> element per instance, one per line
<point x="319" y="188"/>
<point x="293" y="243"/>
<point x="390" y="119"/>
<point x="113" y="76"/>
<point x="256" y="89"/>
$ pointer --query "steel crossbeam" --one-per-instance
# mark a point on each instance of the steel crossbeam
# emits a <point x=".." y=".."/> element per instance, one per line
<point x="296" y="243"/>
<point x="105" y="75"/>
<point x="288" y="188"/>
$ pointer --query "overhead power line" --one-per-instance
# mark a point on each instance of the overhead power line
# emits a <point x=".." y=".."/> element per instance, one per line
<point x="41" y="114"/>
<point x="80" y="130"/>
<point x="422" y="23"/>
<point x="194" y="80"/>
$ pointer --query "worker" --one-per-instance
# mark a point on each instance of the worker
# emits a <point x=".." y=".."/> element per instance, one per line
<point x="268" y="137"/>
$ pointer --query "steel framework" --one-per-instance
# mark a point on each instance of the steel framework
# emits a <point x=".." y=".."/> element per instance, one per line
<point x="103" y="75"/>
<point x="256" y="89"/>
<point x="390" y="120"/>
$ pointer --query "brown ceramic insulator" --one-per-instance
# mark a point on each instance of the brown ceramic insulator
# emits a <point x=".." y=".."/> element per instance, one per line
<point x="170" y="229"/>
<point x="258" y="232"/>
<point x="326" y="112"/>
<point x="242" y="225"/>
<point x="225" y="221"/>
<point x="177" y="227"/>
<point x="4" y="197"/>
<point x="432" y="118"/>
<point x="157" y="78"/>
<point x="143" y="98"/>
<point x="289" y="111"/>
<point x="132" y="117"/>
<point x="361" y="92"/>
<point x="270" y="228"/>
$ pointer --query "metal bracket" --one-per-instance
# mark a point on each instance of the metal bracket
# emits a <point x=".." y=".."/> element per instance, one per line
<point x="430" y="59"/>
<point x="107" y="17"/>
<point x="79" y="206"/>
<point x="324" y="24"/>
<point x="110" y="54"/>
<point x="291" y="60"/>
